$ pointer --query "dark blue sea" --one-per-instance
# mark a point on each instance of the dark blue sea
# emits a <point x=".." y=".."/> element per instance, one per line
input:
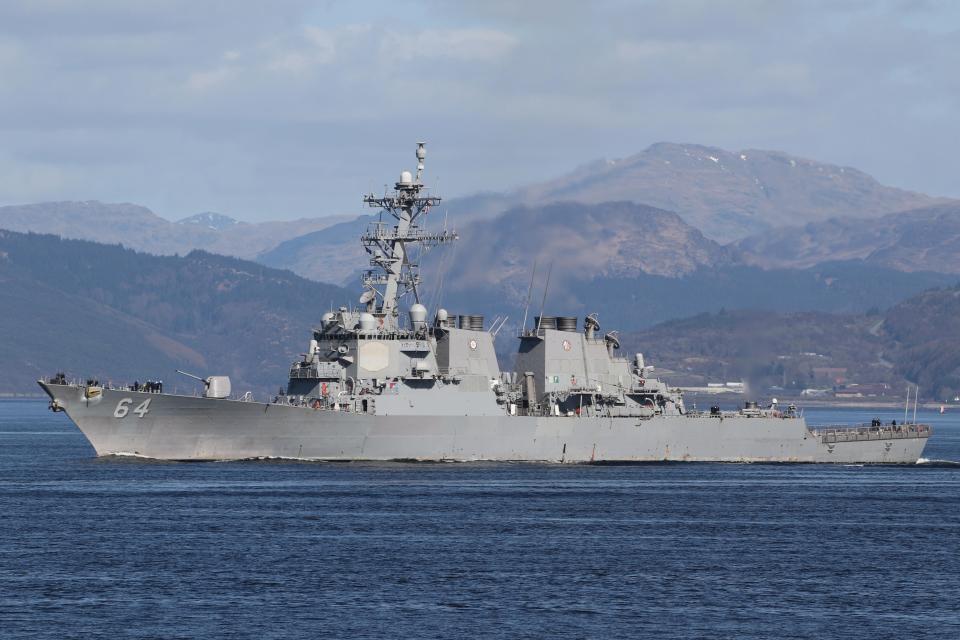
<point x="125" y="548"/>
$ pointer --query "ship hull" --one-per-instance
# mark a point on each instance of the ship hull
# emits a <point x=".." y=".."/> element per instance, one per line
<point x="191" y="428"/>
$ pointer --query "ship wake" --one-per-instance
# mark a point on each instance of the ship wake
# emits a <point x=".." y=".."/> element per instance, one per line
<point x="946" y="464"/>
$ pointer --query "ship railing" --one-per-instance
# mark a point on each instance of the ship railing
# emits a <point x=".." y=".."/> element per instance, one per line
<point x="450" y="372"/>
<point x="378" y="232"/>
<point x="831" y="434"/>
<point x="298" y="373"/>
<point x="316" y="371"/>
<point x="147" y="386"/>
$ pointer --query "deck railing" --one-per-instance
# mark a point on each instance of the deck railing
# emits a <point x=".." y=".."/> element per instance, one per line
<point x="868" y="432"/>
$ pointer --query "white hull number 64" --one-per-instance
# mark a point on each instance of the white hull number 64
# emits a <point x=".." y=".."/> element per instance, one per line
<point x="123" y="408"/>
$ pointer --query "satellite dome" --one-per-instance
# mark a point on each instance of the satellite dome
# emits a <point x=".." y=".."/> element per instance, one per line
<point x="418" y="315"/>
<point x="367" y="322"/>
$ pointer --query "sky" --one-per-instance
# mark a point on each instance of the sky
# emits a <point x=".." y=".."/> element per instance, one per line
<point x="284" y="109"/>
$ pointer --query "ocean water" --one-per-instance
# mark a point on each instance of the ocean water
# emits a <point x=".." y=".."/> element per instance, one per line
<point x="125" y="548"/>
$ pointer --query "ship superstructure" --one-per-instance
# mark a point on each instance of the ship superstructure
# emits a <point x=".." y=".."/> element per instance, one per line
<point x="390" y="379"/>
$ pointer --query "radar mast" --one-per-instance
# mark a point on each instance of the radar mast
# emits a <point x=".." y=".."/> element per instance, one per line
<point x="395" y="268"/>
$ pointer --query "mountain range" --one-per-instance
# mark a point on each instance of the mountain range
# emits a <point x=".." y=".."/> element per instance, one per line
<point x="115" y="314"/>
<point x="137" y="227"/>
<point x="737" y="199"/>
<point x="728" y="195"/>
<point x="638" y="266"/>
<point x="672" y="232"/>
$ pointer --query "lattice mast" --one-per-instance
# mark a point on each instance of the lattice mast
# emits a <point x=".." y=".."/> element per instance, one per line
<point x="395" y="272"/>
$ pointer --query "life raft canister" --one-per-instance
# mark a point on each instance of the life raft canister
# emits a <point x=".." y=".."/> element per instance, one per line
<point x="316" y="404"/>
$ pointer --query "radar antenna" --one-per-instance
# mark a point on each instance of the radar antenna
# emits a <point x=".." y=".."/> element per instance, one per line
<point x="395" y="271"/>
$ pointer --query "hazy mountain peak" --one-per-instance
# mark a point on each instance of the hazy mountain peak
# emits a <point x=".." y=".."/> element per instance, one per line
<point x="727" y="194"/>
<point x="139" y="228"/>
<point x="85" y="219"/>
<point x="210" y="220"/>
<point x="65" y="208"/>
<point x="686" y="148"/>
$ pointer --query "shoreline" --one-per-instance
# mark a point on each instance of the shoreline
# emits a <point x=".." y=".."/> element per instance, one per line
<point x="819" y="403"/>
<point x="864" y="404"/>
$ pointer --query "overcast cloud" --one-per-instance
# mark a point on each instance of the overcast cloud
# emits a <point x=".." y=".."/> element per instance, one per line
<point x="282" y="109"/>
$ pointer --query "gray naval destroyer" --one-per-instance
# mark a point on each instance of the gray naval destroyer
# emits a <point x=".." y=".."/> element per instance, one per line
<point x="391" y="382"/>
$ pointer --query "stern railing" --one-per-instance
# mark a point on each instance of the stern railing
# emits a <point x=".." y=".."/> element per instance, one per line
<point x="831" y="434"/>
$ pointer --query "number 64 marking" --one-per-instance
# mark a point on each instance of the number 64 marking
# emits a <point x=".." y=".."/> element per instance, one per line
<point x="123" y="408"/>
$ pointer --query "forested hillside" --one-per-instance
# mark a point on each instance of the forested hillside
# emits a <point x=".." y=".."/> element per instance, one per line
<point x="768" y="348"/>
<point x="103" y="310"/>
<point x="915" y="341"/>
<point x="635" y="264"/>
<point x="925" y="239"/>
<point x="926" y="329"/>
<point x="106" y="311"/>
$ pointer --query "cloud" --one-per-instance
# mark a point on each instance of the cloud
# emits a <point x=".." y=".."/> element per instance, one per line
<point x="203" y="80"/>
<point x="32" y="182"/>
<point x="313" y="46"/>
<point x="294" y="108"/>
<point x="310" y="50"/>
<point x="469" y="45"/>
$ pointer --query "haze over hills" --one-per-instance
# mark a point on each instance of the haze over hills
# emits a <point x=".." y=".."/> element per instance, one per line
<point x="920" y="239"/>
<point x="914" y="341"/>
<point x="210" y="220"/>
<point x="727" y="195"/>
<point x="793" y="350"/>
<point x="105" y="311"/>
<point x="139" y="228"/>
<point x="612" y="239"/>
<point x="639" y="264"/>
<point x="331" y="254"/>
<point x="638" y="302"/>
<point x="636" y="264"/>
<point x="724" y="195"/>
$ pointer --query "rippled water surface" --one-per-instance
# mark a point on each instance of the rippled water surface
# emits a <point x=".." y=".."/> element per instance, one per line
<point x="120" y="548"/>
